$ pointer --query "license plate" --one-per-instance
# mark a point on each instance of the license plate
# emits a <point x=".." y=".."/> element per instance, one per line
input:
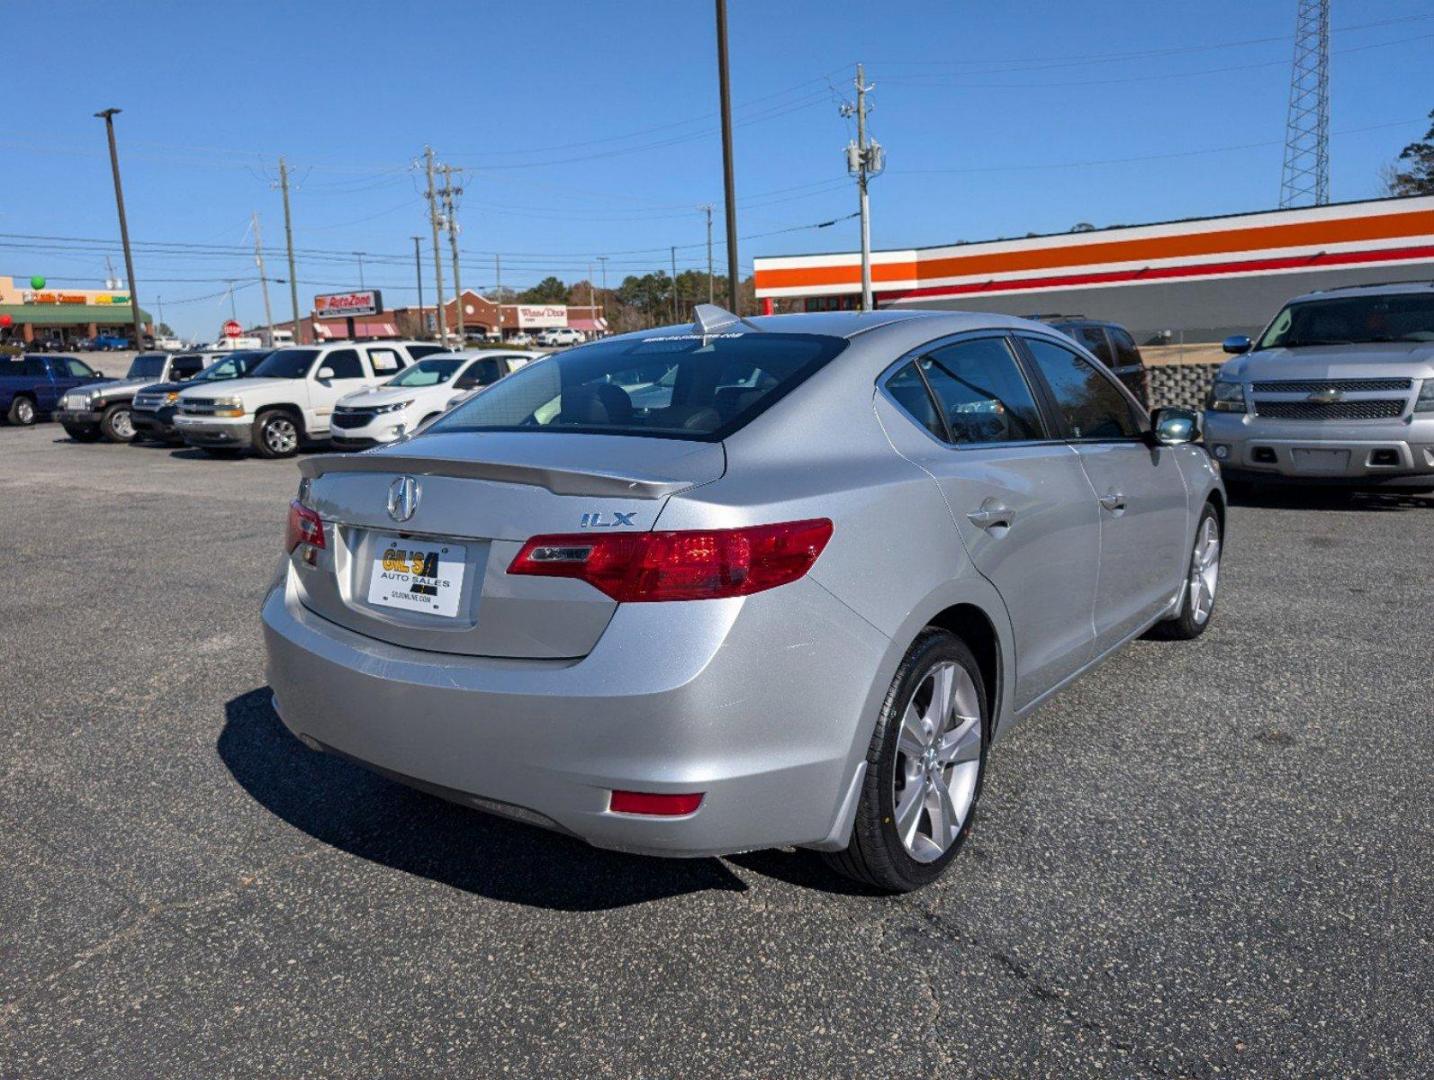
<point x="1321" y="460"/>
<point x="417" y="575"/>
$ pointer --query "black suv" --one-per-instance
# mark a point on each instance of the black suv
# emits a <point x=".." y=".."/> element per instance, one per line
<point x="1111" y="344"/>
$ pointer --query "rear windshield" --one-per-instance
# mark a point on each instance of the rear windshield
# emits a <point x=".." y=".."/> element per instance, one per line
<point x="427" y="373"/>
<point x="1353" y="320"/>
<point x="686" y="386"/>
<point x="146" y="366"/>
<point x="286" y="364"/>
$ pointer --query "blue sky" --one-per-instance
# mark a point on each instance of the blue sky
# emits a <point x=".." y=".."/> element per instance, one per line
<point x="590" y="129"/>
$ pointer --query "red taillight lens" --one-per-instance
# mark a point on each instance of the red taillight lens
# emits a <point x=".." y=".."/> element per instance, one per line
<point x="305" y="527"/>
<point x="645" y="802"/>
<point x="696" y="565"/>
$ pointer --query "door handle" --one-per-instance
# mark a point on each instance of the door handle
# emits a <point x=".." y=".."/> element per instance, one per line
<point x="992" y="515"/>
<point x="1113" y="501"/>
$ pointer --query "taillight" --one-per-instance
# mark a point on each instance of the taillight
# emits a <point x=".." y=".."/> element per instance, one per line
<point x="305" y="527"/>
<point x="689" y="565"/>
<point x="646" y="802"/>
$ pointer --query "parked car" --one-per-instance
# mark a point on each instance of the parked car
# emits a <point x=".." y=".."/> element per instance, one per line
<point x="1337" y="390"/>
<point x="287" y="400"/>
<point x="31" y="385"/>
<point x="109" y="342"/>
<point x="153" y="410"/>
<point x="1112" y="345"/>
<point x="104" y="410"/>
<point x="560" y="337"/>
<point x="416" y="395"/>
<point x="522" y="337"/>
<point x="793" y="604"/>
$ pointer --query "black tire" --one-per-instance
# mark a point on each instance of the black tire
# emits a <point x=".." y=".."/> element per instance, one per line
<point x="22" y="411"/>
<point x="277" y="434"/>
<point x="876" y="855"/>
<point x="86" y="433"/>
<point x="115" y="424"/>
<point x="227" y="453"/>
<point x="1188" y="624"/>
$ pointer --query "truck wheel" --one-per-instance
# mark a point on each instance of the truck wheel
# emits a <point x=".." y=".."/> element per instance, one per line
<point x="276" y="434"/>
<point x="116" y="424"/>
<point x="22" y="411"/>
<point x="82" y="434"/>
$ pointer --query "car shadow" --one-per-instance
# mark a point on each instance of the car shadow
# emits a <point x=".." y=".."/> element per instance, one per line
<point x="360" y="812"/>
<point x="1281" y="497"/>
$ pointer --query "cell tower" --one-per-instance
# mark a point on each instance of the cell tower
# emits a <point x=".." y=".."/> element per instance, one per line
<point x="1305" y="179"/>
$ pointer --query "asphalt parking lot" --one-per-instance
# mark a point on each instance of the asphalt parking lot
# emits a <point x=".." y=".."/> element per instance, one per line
<point x="1205" y="859"/>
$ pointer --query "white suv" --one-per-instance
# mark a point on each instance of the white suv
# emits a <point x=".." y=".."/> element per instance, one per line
<point x="560" y="336"/>
<point x="418" y="394"/>
<point x="289" y="398"/>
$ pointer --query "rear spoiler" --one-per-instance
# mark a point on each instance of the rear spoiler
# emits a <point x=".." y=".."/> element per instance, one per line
<point x="558" y="481"/>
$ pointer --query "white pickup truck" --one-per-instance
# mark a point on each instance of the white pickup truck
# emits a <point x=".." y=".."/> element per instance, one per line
<point x="289" y="398"/>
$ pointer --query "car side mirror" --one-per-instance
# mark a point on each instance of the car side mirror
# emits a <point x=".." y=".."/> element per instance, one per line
<point x="1170" y="426"/>
<point x="1236" y="344"/>
<point x="325" y="374"/>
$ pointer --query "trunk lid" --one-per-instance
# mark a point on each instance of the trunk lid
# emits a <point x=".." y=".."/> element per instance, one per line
<point x="480" y="496"/>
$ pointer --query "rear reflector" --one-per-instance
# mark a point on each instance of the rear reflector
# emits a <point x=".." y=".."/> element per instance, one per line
<point x="305" y="527"/>
<point x="644" y="802"/>
<point x="689" y="565"/>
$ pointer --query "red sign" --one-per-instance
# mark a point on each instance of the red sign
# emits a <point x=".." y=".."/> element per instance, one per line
<point x="349" y="304"/>
<point x="232" y="329"/>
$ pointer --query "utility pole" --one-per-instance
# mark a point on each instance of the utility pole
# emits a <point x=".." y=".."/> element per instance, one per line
<point x="437" y="257"/>
<point x="498" y="278"/>
<point x="675" y="316"/>
<point x="300" y="337"/>
<point x="108" y="116"/>
<point x="360" y="262"/>
<point x="729" y="184"/>
<point x="233" y="311"/>
<point x="263" y="283"/>
<point x="592" y="290"/>
<point x="418" y="274"/>
<point x="159" y="306"/>
<point x="708" y="208"/>
<point x="450" y="211"/>
<point x="864" y="159"/>
<point x="602" y="260"/>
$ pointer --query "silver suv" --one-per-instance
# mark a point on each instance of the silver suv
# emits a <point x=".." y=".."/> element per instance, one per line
<point x="1339" y="389"/>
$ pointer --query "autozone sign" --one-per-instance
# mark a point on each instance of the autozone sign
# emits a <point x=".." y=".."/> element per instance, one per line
<point x="532" y="316"/>
<point x="342" y="305"/>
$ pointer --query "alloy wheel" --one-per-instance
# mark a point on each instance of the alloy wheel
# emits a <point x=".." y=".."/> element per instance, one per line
<point x="1204" y="570"/>
<point x="280" y="436"/>
<point x="938" y="761"/>
<point x="24" y="411"/>
<point x="122" y="424"/>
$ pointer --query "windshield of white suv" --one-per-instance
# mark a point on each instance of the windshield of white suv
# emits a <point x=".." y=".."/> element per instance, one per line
<point x="427" y="373"/>
<point x="286" y="364"/>
<point x="683" y="386"/>
<point x="146" y="366"/>
<point x="1353" y="320"/>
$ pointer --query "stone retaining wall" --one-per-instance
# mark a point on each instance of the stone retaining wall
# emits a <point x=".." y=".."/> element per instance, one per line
<point x="1184" y="385"/>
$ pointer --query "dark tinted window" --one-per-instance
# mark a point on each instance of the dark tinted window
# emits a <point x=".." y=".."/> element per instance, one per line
<point x="1093" y="338"/>
<point x="909" y="391"/>
<point x="186" y="367"/>
<point x="420" y="351"/>
<point x="146" y="366"/>
<point x="480" y="373"/>
<point x="344" y="363"/>
<point x="286" y="364"/>
<point x="1091" y="405"/>
<point x="1126" y="354"/>
<point x="29" y="367"/>
<point x="678" y="386"/>
<point x="981" y="392"/>
<point x="1346" y="320"/>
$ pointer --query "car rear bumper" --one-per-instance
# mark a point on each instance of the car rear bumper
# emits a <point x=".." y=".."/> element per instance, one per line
<point x="1396" y="452"/>
<point x="215" y="431"/>
<point x="759" y="703"/>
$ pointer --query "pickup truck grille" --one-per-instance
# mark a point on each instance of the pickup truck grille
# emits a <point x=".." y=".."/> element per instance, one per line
<point x="197" y="406"/>
<point x="148" y="402"/>
<point x="1375" y="409"/>
<point x="1347" y="386"/>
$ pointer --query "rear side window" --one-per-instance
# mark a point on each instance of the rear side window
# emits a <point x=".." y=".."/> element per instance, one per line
<point x="1126" y="354"/>
<point x="186" y="367"/>
<point x="908" y="389"/>
<point x="479" y="373"/>
<point x="1089" y="403"/>
<point x="76" y="368"/>
<point x="1093" y="338"/>
<point x="977" y="391"/>
<point x="385" y="361"/>
<point x="344" y="363"/>
<point x="684" y="386"/>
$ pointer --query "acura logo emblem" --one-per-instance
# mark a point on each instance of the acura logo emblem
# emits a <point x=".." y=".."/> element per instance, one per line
<point x="403" y="498"/>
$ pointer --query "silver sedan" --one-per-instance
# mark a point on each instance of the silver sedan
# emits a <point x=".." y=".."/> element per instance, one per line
<point x="744" y="583"/>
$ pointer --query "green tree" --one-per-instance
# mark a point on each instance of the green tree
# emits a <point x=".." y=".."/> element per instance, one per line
<point x="1416" y="176"/>
<point x="550" y="290"/>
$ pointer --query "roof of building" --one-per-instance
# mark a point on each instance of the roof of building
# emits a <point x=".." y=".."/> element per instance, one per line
<point x="72" y="314"/>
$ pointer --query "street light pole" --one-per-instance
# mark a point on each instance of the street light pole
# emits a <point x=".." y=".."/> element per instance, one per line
<point x="108" y="116"/>
<point x="418" y="273"/>
<point x="729" y="184"/>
